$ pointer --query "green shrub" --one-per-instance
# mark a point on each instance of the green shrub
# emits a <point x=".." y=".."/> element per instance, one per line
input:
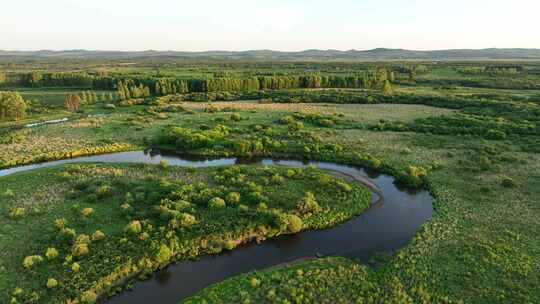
<point x="87" y="212"/>
<point x="68" y="234"/>
<point x="164" y="254"/>
<point x="8" y="194"/>
<point x="60" y="223"/>
<point x="31" y="261"/>
<point x="216" y="203"/>
<point x="164" y="165"/>
<point x="229" y="244"/>
<point x="254" y="282"/>
<point x="277" y="179"/>
<point x="88" y="297"/>
<point x="104" y="191"/>
<point x="343" y="186"/>
<point x="79" y="250"/>
<point x="308" y="205"/>
<point x="236" y="117"/>
<point x="52" y="283"/>
<point x="83" y="239"/>
<point x="98" y="236"/>
<point x="51" y="253"/>
<point x="187" y="220"/>
<point x="508" y="182"/>
<point x="295" y="223"/>
<point x="16" y="213"/>
<point x="233" y="198"/>
<point x="211" y="109"/>
<point x="287" y="120"/>
<point x="135" y="227"/>
<point x="295" y="127"/>
<point x="75" y="267"/>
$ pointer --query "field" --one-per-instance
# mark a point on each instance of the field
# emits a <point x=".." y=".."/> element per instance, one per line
<point x="468" y="132"/>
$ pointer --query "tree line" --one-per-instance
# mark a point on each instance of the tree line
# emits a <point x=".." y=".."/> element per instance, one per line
<point x="136" y="87"/>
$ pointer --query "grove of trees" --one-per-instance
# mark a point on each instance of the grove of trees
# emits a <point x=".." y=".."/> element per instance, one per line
<point x="72" y="102"/>
<point x="12" y="105"/>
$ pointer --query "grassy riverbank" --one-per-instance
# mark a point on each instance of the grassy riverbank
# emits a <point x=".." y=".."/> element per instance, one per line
<point x="74" y="231"/>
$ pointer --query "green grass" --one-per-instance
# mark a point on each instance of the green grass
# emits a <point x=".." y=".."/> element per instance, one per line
<point x="172" y="205"/>
<point x="481" y="245"/>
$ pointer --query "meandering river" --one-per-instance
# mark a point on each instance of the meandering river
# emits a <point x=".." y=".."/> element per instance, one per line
<point x="389" y="224"/>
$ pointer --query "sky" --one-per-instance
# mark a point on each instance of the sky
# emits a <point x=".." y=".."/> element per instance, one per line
<point x="197" y="25"/>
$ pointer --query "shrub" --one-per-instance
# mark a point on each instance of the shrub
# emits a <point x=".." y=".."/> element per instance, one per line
<point x="287" y="120"/>
<point x="79" y="250"/>
<point x="60" y="223"/>
<point x="75" y="267"/>
<point x="254" y="282"/>
<point x="343" y="186"/>
<point x="164" y="254"/>
<point x="135" y="227"/>
<point x="508" y="182"/>
<point x="51" y="253"/>
<point x="414" y="176"/>
<point x="126" y="207"/>
<point x="308" y="205"/>
<point x="68" y="234"/>
<point x="236" y="117"/>
<point x="98" y="236"/>
<point x="295" y="127"/>
<point x="82" y="239"/>
<point x="211" y="109"/>
<point x="52" y="283"/>
<point x="229" y="244"/>
<point x="294" y="223"/>
<point x="187" y="219"/>
<point x="104" y="191"/>
<point x="216" y="203"/>
<point x="32" y="260"/>
<point x="8" y="194"/>
<point x="89" y="297"/>
<point x="163" y="164"/>
<point x="233" y="198"/>
<point x="87" y="212"/>
<point x="277" y="179"/>
<point x="17" y="213"/>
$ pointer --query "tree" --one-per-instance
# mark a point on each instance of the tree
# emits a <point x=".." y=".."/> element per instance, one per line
<point x="72" y="102"/>
<point x="387" y="88"/>
<point x="12" y="105"/>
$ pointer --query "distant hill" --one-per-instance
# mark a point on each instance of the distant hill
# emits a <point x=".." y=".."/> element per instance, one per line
<point x="351" y="55"/>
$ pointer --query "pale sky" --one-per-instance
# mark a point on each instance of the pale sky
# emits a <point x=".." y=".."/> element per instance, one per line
<point x="292" y="25"/>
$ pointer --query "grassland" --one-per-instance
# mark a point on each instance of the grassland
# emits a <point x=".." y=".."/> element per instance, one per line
<point x="481" y="246"/>
<point x="87" y="227"/>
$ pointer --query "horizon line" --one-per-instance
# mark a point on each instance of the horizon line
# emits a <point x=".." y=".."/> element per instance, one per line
<point x="269" y="50"/>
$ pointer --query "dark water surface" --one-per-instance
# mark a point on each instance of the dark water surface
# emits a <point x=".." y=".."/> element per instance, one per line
<point x="389" y="224"/>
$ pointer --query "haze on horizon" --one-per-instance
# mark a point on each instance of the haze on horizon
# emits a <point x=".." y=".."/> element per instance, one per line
<point x="278" y="25"/>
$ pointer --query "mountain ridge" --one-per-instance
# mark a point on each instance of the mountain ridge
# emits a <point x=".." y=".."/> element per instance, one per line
<point x="309" y="54"/>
